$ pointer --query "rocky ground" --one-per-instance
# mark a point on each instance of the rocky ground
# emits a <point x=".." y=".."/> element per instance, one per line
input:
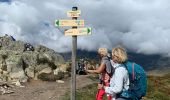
<point x="23" y="66"/>
<point x="41" y="90"/>
<point x="30" y="72"/>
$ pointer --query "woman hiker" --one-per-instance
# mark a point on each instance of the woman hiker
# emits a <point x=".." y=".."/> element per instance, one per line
<point x="120" y="79"/>
<point x="106" y="70"/>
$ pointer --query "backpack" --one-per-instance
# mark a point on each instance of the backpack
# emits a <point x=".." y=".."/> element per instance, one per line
<point x="138" y="82"/>
<point x="109" y="70"/>
<point x="109" y="67"/>
<point x="28" y="47"/>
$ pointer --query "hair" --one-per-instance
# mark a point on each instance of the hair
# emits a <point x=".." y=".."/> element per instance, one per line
<point x="119" y="55"/>
<point x="103" y="51"/>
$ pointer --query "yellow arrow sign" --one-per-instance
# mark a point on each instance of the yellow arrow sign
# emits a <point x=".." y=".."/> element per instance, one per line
<point x="79" y="31"/>
<point x="69" y="23"/>
<point x="74" y="13"/>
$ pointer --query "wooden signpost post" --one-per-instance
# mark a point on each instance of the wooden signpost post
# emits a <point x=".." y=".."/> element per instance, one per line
<point x="74" y="32"/>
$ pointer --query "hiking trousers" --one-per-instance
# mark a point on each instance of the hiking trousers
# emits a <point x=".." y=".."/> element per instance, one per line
<point x="101" y="93"/>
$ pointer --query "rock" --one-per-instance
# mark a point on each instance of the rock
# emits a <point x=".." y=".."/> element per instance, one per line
<point x="59" y="81"/>
<point x="15" y="68"/>
<point x="50" y="54"/>
<point x="7" y="43"/>
<point x="5" y="72"/>
<point x="42" y="66"/>
<point x="56" y="71"/>
<point x="2" y="62"/>
<point x="40" y="48"/>
<point x="30" y="58"/>
<point x="64" y="67"/>
<point x="5" y="89"/>
<point x="46" y="70"/>
<point x="1" y="71"/>
<point x="30" y="72"/>
<point x="16" y="64"/>
<point x="19" y="76"/>
<point x="3" y="77"/>
<point x="18" y="83"/>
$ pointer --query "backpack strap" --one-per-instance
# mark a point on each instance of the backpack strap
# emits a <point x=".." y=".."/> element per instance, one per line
<point x="133" y="71"/>
<point x="112" y="68"/>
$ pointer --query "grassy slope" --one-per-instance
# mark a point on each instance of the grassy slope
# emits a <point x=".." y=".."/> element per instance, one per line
<point x="158" y="89"/>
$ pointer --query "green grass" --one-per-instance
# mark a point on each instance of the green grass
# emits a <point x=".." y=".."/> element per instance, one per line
<point x="86" y="93"/>
<point x="158" y="89"/>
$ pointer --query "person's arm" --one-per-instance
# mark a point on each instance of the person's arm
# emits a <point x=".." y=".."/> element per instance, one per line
<point x="119" y="78"/>
<point x="98" y="70"/>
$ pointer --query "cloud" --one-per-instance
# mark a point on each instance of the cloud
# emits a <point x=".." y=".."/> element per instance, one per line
<point x="141" y="26"/>
<point x="5" y="1"/>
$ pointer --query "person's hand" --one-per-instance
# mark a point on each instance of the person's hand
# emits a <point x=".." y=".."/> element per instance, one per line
<point x="89" y="71"/>
<point x="100" y="86"/>
<point x="106" y="78"/>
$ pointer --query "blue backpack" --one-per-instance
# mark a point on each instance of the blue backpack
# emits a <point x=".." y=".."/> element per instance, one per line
<point x="138" y="82"/>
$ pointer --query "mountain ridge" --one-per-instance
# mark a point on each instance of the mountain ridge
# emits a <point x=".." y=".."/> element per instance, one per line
<point x="149" y="62"/>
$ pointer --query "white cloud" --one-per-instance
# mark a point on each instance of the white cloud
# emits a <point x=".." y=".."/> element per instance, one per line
<point x="140" y="25"/>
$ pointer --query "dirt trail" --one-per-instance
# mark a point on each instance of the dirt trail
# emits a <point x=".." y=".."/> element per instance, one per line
<point x="38" y="90"/>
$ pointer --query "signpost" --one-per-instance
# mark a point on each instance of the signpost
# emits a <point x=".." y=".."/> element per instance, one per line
<point x="73" y="70"/>
<point x="74" y="13"/>
<point x="74" y="32"/>
<point x="69" y="23"/>
<point x="79" y="31"/>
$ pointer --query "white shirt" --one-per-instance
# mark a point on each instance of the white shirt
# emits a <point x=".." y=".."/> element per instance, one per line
<point x="119" y="80"/>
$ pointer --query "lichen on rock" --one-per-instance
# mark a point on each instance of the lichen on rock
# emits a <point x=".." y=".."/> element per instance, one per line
<point x="20" y="64"/>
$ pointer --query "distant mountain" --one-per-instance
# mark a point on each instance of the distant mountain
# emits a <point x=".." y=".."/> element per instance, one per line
<point x="149" y="62"/>
<point x="81" y="54"/>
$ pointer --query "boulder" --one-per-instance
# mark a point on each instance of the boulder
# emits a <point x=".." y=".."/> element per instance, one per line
<point x="46" y="70"/>
<point x="15" y="68"/>
<point x="7" y="43"/>
<point x="20" y="64"/>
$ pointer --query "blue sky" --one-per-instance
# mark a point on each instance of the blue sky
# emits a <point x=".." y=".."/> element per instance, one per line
<point x="142" y="26"/>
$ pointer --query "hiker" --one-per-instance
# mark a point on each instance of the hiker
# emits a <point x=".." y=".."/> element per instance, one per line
<point x="81" y="67"/>
<point x="106" y="70"/>
<point x="120" y="79"/>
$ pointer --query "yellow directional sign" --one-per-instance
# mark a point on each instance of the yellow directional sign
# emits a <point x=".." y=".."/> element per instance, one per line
<point x="69" y="23"/>
<point x="74" y="13"/>
<point x="78" y="31"/>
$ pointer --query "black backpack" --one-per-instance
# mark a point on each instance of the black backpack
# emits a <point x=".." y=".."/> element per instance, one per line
<point x="28" y="47"/>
